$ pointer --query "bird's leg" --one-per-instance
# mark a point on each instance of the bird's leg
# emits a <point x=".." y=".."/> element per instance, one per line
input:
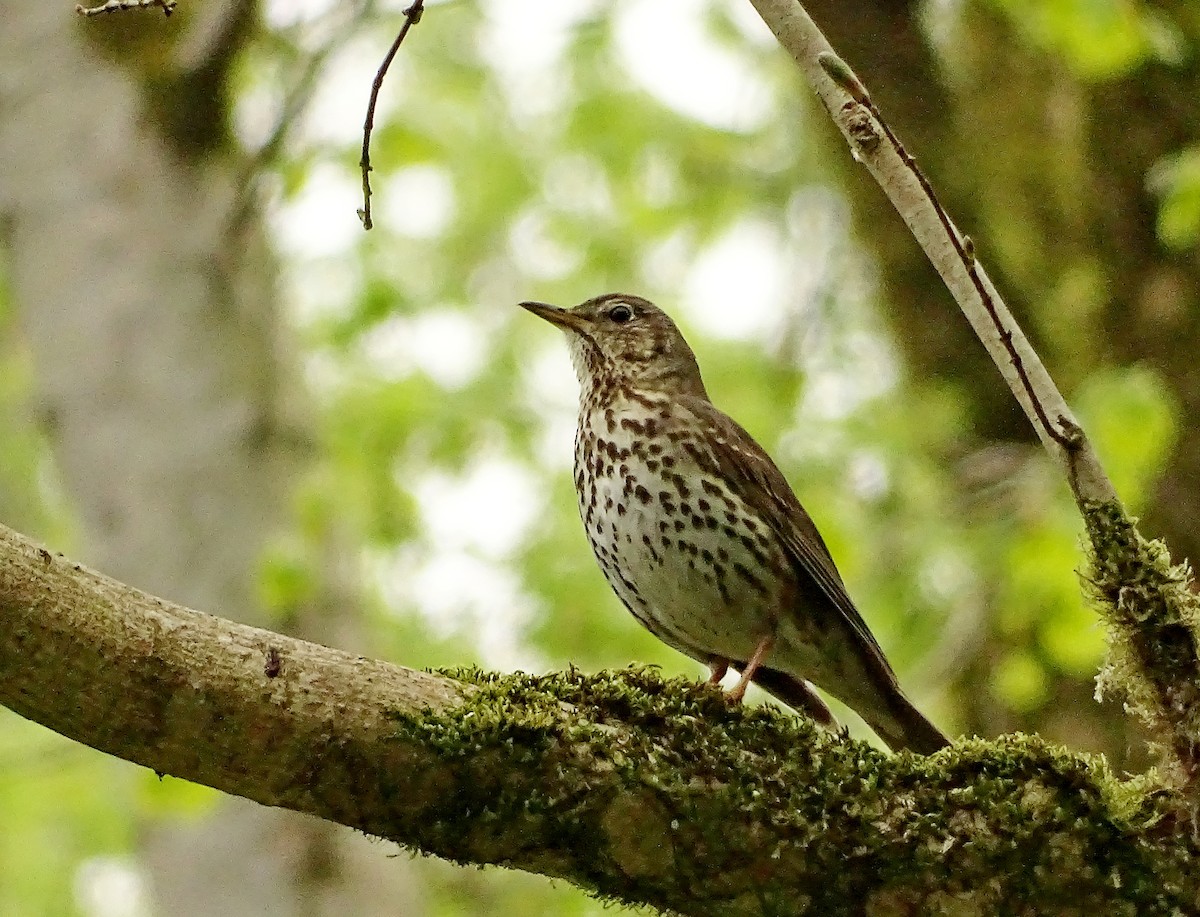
<point x="718" y="668"/>
<point x="760" y="653"/>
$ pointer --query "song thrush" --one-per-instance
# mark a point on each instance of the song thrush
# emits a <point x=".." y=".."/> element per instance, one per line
<point x="699" y="534"/>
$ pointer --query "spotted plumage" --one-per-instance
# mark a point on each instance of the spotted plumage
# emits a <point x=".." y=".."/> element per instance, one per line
<point x="699" y="534"/>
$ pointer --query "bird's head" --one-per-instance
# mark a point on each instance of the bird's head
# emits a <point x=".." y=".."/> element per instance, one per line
<point x="619" y="339"/>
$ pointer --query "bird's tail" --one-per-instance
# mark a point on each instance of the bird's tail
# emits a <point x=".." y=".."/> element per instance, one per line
<point x="904" y="726"/>
<point x="901" y="726"/>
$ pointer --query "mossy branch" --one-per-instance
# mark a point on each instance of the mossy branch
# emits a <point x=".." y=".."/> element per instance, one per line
<point x="1151" y="608"/>
<point x="638" y="788"/>
<point x="1147" y="605"/>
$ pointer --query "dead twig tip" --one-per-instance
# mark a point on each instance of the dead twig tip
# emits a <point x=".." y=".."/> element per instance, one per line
<point x="412" y="16"/>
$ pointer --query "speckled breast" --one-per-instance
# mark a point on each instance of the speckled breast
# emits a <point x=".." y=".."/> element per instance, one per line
<point x="688" y="557"/>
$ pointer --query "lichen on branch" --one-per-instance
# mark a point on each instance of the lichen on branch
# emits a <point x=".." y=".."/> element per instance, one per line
<point x="1151" y="611"/>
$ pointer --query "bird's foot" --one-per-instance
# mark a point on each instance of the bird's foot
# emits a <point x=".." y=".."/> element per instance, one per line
<point x="760" y="653"/>
<point x="717" y="668"/>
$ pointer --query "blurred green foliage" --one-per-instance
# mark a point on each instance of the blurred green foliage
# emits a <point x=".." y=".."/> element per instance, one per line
<point x="1097" y="39"/>
<point x="564" y="182"/>
<point x="1176" y="181"/>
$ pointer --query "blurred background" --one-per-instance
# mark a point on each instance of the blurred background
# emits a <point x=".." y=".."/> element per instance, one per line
<point x="214" y="385"/>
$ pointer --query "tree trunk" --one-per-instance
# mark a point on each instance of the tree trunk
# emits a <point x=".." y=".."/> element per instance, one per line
<point x="153" y="325"/>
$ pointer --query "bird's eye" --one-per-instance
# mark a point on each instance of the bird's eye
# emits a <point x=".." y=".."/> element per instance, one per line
<point x="620" y="313"/>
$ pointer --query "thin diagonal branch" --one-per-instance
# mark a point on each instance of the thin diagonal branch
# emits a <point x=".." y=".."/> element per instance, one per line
<point x="875" y="145"/>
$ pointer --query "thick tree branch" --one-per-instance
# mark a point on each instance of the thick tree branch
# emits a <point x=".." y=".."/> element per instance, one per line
<point x="186" y="693"/>
<point x="638" y="788"/>
<point x="1154" y="664"/>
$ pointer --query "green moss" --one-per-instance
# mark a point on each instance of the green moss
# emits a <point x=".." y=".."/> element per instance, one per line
<point x="1151" y="611"/>
<point x="658" y="790"/>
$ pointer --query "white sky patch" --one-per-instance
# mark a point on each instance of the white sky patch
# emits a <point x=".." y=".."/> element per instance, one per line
<point x="666" y="261"/>
<point x="321" y="289"/>
<point x="283" y="14"/>
<point x="548" y="384"/>
<point x="658" y="177"/>
<point x="863" y="369"/>
<point x="461" y="582"/>
<point x="579" y="185"/>
<point x="734" y="289"/>
<point x="460" y="594"/>
<point x="256" y="108"/>
<point x="483" y="599"/>
<point x="490" y="508"/>
<point x="869" y="475"/>
<point x="387" y="348"/>
<point x="536" y="252"/>
<point x="871" y="359"/>
<point x="664" y="46"/>
<point x="495" y="280"/>
<point x="417" y="201"/>
<point x="109" y="886"/>
<point x="813" y="441"/>
<point x="946" y="577"/>
<point x="523" y="41"/>
<point x="817" y="224"/>
<point x="549" y="379"/>
<point x="555" y="447"/>
<point x="831" y="395"/>
<point x="321" y="219"/>
<point x="446" y="344"/>
<point x="323" y="373"/>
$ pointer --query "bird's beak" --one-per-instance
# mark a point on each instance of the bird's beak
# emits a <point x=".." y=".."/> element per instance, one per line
<point x="563" y="318"/>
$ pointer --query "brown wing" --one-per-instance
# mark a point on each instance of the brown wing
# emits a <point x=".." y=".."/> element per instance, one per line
<point x="755" y="478"/>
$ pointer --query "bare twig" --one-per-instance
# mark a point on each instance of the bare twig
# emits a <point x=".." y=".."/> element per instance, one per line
<point x="412" y="16"/>
<point x="118" y="6"/>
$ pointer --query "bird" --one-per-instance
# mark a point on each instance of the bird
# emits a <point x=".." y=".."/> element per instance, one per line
<point x="701" y="537"/>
